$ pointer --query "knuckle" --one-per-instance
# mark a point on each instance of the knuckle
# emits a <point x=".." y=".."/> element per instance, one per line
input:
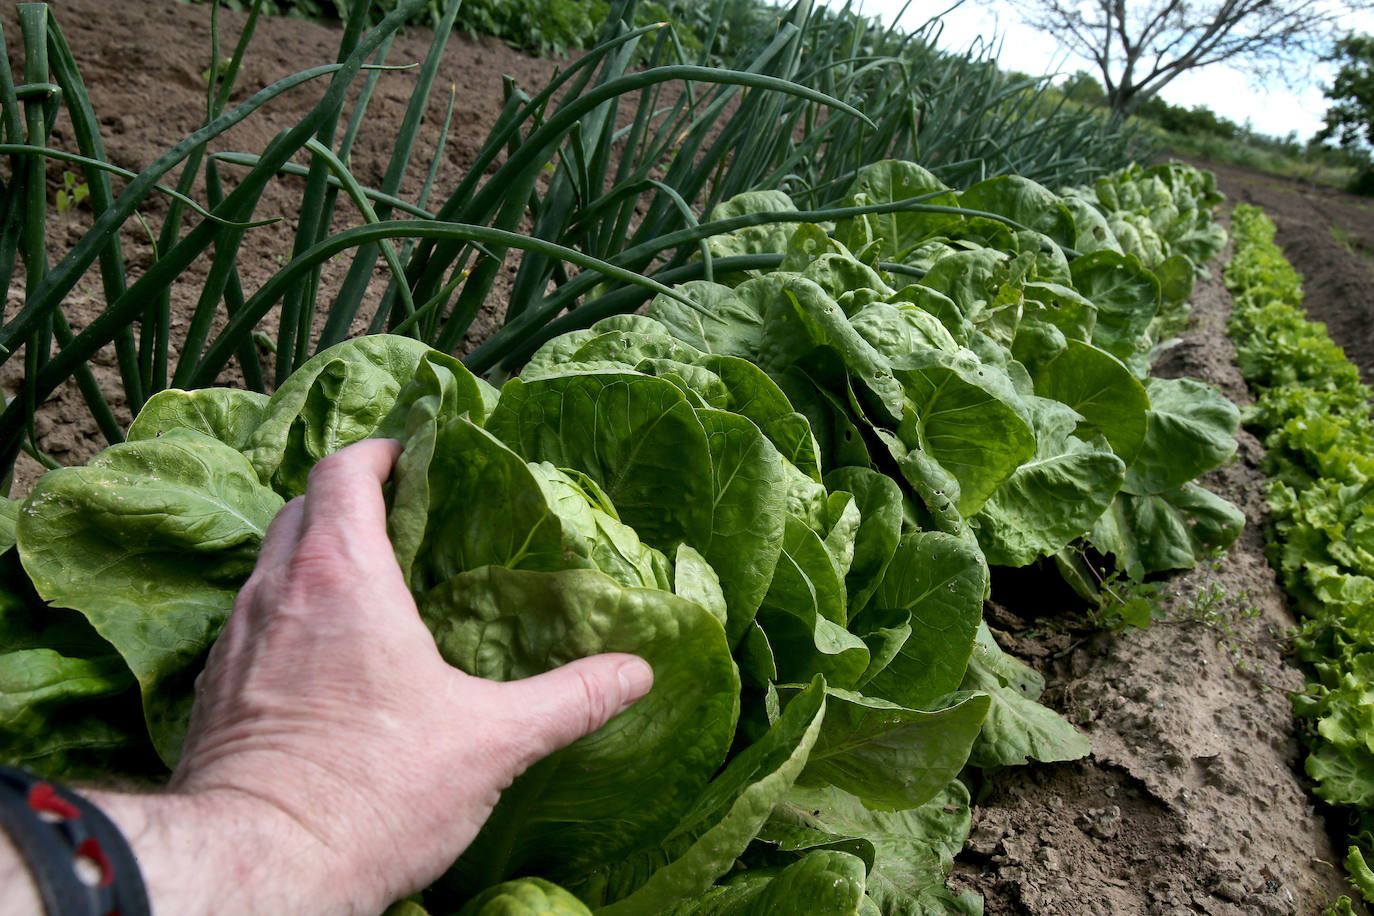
<point x="595" y="701"/>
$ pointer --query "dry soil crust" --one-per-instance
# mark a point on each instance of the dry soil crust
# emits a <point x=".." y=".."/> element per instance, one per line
<point x="1191" y="801"/>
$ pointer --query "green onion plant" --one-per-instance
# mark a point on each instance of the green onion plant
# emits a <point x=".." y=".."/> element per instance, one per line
<point x="612" y="168"/>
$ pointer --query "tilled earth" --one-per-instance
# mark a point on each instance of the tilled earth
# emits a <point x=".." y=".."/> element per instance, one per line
<point x="1192" y="800"/>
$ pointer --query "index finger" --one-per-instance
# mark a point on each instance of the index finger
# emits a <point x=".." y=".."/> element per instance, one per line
<point x="345" y="489"/>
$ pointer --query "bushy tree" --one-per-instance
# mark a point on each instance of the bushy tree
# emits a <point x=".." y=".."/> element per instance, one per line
<point x="1350" y="118"/>
<point x="1083" y="87"/>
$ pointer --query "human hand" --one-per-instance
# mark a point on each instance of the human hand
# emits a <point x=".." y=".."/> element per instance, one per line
<point x="329" y="733"/>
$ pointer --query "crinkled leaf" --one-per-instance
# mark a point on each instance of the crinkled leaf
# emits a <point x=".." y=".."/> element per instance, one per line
<point x="486" y="506"/>
<point x="1126" y="295"/>
<point x="843" y="277"/>
<point x="885" y="182"/>
<point x="913" y="850"/>
<point x="1192" y="429"/>
<point x="966" y="416"/>
<point x="896" y="330"/>
<point x="769" y="238"/>
<point x="615" y="791"/>
<point x="805" y="318"/>
<point x="940" y="581"/>
<point x="441" y="390"/>
<point x="1032" y="205"/>
<point x="227" y="414"/>
<point x="632" y="434"/>
<point x="939" y="306"/>
<point x="722" y="823"/>
<point x="336" y="398"/>
<point x="150" y="542"/>
<point x="639" y="440"/>
<point x="891" y="757"/>
<point x="971" y="279"/>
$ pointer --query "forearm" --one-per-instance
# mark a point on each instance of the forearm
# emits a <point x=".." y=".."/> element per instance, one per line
<point x="200" y="855"/>
<point x="18" y="894"/>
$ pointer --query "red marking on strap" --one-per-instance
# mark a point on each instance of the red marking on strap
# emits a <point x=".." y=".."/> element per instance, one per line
<point x="90" y="849"/>
<point x="44" y="798"/>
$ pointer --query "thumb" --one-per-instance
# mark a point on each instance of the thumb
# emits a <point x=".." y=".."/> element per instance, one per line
<point x="572" y="701"/>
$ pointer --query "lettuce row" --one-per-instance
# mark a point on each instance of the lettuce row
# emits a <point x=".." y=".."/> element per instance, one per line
<point x="533" y="528"/>
<point x="1319" y="438"/>
<point x="1006" y="390"/>
<point x="785" y="498"/>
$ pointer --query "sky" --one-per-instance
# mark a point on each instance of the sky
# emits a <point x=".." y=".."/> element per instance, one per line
<point x="1273" y="110"/>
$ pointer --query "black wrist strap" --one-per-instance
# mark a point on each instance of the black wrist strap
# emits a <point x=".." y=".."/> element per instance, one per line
<point x="80" y="862"/>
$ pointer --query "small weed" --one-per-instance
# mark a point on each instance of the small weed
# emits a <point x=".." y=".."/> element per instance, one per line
<point x="223" y="68"/>
<point x="1126" y="600"/>
<point x="1349" y="242"/>
<point x="1342" y="235"/>
<point x="72" y="194"/>
<point x="1224" y="613"/>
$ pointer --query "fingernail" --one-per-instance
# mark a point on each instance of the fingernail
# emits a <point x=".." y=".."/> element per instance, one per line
<point x="636" y="677"/>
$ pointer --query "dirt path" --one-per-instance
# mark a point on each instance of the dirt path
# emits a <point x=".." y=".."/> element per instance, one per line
<point x="1191" y="801"/>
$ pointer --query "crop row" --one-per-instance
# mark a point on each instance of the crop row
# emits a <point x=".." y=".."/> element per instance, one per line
<point x="1315" y="415"/>
<point x="612" y="166"/>
<point x="783" y="487"/>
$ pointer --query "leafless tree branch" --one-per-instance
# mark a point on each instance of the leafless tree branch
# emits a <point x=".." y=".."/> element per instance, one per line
<point x="1139" y="46"/>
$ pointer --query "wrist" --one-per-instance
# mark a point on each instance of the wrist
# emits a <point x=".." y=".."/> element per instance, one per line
<point x="20" y="893"/>
<point x="224" y="853"/>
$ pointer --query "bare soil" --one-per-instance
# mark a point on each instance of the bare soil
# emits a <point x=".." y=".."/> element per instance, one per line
<point x="1192" y="800"/>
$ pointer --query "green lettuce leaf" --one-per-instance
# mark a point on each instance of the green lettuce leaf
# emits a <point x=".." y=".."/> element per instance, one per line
<point x="184" y="513"/>
<point x="940" y="581"/>
<point x="638" y="438"/>
<point x="1032" y="205"/>
<point x="1112" y="402"/>
<point x="1192" y="429"/>
<point x="896" y="233"/>
<point x="523" y="897"/>
<point x="624" y="787"/>
<point x="891" y="757"/>
<point x="227" y="414"/>
<point x="1127" y="297"/>
<point x="337" y="397"/>
<point x="1017" y="728"/>
<point x="966" y="416"/>
<point x="913" y="849"/>
<point x="1052" y="499"/>
<point x="721" y="824"/>
<point x="821" y="883"/>
<point x="804" y="615"/>
<point x="1170" y="530"/>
